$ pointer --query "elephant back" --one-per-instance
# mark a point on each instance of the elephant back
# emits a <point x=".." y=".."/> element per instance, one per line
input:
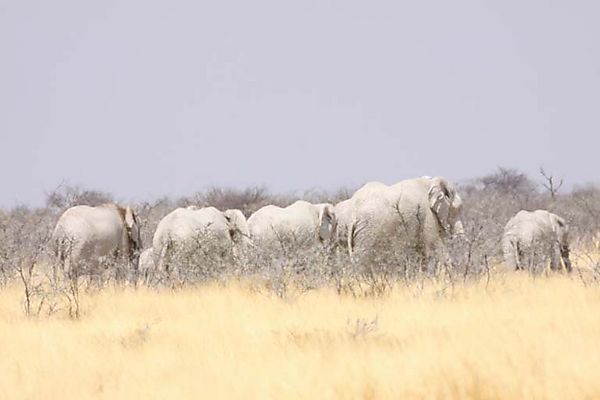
<point x="183" y="223"/>
<point x="528" y="226"/>
<point x="99" y="228"/>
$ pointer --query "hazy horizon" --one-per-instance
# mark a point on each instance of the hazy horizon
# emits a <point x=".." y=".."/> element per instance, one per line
<point x="143" y="101"/>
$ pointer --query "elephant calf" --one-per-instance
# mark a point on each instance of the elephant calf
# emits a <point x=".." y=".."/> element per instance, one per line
<point x="531" y="238"/>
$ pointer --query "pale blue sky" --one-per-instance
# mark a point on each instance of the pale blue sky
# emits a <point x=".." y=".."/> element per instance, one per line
<point x="145" y="98"/>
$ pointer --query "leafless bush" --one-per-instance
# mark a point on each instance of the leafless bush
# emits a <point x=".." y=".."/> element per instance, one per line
<point x="507" y="181"/>
<point x="25" y="233"/>
<point x="488" y="203"/>
<point x="581" y="209"/>
<point x="316" y="196"/>
<point x="247" y="200"/>
<point x="293" y="260"/>
<point x="65" y="196"/>
<point x="199" y="259"/>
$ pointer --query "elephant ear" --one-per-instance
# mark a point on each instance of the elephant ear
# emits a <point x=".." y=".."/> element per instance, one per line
<point x="133" y="229"/>
<point x="327" y="222"/>
<point x="238" y="225"/>
<point x="559" y="227"/>
<point x="440" y="201"/>
<point x="130" y="221"/>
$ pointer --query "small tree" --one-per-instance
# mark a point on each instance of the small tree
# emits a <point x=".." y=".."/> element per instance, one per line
<point x="508" y="180"/>
<point x="65" y="196"/>
<point x="550" y="183"/>
<point x="247" y="200"/>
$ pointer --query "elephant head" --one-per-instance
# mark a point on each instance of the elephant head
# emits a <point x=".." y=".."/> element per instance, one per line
<point x="445" y="204"/>
<point x="561" y="231"/>
<point x="238" y="225"/>
<point x="327" y="222"/>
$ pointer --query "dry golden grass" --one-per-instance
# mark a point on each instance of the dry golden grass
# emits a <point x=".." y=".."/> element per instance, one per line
<point x="519" y="337"/>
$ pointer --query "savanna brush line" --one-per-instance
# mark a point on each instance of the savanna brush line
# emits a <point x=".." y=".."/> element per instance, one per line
<point x="414" y="218"/>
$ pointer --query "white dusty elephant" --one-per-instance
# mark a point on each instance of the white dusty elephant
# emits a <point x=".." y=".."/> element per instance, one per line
<point x="84" y="235"/>
<point x="401" y="223"/>
<point x="533" y="238"/>
<point x="293" y="235"/>
<point x="197" y="240"/>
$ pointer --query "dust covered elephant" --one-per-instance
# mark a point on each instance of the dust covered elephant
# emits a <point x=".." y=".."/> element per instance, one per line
<point x="298" y="235"/>
<point x="199" y="241"/>
<point x="401" y="223"/>
<point x="533" y="238"/>
<point x="85" y="235"/>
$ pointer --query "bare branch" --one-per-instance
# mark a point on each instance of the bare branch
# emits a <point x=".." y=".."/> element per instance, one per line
<point x="550" y="183"/>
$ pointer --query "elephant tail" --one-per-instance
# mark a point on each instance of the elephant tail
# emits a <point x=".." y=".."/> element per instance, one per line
<point x="162" y="263"/>
<point x="564" y="252"/>
<point x="351" y="238"/>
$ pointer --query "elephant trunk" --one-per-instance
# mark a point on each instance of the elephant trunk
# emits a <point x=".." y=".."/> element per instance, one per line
<point x="564" y="252"/>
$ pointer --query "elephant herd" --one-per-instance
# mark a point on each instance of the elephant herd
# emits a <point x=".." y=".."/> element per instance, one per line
<point x="412" y="219"/>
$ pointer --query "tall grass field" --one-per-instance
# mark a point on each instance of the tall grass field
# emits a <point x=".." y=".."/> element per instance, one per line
<point x="515" y="336"/>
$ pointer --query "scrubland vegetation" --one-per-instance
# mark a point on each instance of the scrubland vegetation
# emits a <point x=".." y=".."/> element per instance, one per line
<point x="468" y="330"/>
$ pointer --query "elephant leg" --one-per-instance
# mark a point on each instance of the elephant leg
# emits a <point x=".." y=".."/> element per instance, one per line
<point x="58" y="269"/>
<point x="57" y="265"/>
<point x="555" y="259"/>
<point x="65" y="260"/>
<point x="70" y="267"/>
<point x="163" y="266"/>
<point x="520" y="260"/>
<point x="512" y="254"/>
<point x="91" y="271"/>
<point x="561" y="253"/>
<point x="564" y="253"/>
